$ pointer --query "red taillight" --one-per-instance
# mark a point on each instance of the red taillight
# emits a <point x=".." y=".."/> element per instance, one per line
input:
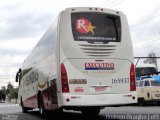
<point x="132" y="78"/>
<point x="64" y="79"/>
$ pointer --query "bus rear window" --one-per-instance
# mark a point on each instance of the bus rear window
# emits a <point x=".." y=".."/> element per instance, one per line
<point x="96" y="27"/>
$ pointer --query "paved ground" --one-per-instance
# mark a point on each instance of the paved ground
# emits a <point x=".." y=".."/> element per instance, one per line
<point x="149" y="112"/>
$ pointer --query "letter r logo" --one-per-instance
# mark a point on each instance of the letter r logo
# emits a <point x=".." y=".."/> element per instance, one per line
<point x="84" y="26"/>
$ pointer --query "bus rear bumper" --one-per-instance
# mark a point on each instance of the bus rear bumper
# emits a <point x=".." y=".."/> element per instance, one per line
<point x="97" y="100"/>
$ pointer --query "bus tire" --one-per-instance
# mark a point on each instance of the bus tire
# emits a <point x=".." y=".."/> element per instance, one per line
<point x="141" y="101"/>
<point x="90" y="111"/>
<point x="58" y="111"/>
<point x="42" y="110"/>
<point x="24" y="109"/>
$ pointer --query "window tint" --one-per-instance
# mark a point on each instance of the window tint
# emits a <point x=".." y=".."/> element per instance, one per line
<point x="96" y="27"/>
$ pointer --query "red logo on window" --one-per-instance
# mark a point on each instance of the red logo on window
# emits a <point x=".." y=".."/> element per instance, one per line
<point x="84" y="26"/>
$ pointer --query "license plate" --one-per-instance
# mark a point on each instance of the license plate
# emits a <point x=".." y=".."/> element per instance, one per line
<point x="100" y="88"/>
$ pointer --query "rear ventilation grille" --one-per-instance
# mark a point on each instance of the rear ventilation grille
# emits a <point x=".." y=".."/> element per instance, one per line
<point x="98" y="50"/>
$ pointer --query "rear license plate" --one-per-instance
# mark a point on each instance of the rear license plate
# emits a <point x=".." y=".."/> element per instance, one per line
<point x="100" y="88"/>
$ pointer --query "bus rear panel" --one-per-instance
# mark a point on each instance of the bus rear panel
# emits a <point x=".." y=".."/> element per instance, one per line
<point x="83" y="62"/>
<point x="96" y="58"/>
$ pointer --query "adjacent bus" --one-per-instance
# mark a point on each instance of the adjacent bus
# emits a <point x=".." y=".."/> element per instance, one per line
<point x="83" y="62"/>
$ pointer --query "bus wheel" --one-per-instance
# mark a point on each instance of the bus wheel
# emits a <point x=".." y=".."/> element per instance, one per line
<point x="90" y="111"/>
<point x="141" y="101"/>
<point x="42" y="110"/>
<point x="24" y="109"/>
<point x="58" y="111"/>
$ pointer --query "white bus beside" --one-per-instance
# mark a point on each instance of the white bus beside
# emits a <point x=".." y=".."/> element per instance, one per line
<point x="83" y="62"/>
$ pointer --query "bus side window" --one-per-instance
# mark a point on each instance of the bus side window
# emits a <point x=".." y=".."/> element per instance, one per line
<point x="36" y="76"/>
<point x="32" y="77"/>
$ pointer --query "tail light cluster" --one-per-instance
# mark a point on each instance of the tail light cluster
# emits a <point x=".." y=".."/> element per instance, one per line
<point x="132" y="78"/>
<point x="64" y="79"/>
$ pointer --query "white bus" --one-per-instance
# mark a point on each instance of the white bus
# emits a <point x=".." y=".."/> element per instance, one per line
<point x="83" y="62"/>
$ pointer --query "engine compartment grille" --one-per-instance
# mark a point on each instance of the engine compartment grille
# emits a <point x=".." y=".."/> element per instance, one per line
<point x="99" y="50"/>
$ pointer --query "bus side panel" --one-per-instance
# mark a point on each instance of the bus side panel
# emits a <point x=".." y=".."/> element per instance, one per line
<point x="41" y="67"/>
<point x="31" y="102"/>
<point x="47" y="81"/>
<point x="29" y="93"/>
<point x="50" y="96"/>
<point x="46" y="84"/>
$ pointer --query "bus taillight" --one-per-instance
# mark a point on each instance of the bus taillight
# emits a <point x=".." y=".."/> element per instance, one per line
<point x="64" y="79"/>
<point x="132" y="78"/>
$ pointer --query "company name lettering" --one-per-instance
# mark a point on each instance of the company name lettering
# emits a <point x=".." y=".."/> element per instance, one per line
<point x="99" y="66"/>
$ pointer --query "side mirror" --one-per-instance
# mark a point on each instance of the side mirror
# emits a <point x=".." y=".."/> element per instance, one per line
<point x="17" y="76"/>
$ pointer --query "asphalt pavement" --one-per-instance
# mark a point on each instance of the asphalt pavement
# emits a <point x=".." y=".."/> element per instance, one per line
<point x="149" y="112"/>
